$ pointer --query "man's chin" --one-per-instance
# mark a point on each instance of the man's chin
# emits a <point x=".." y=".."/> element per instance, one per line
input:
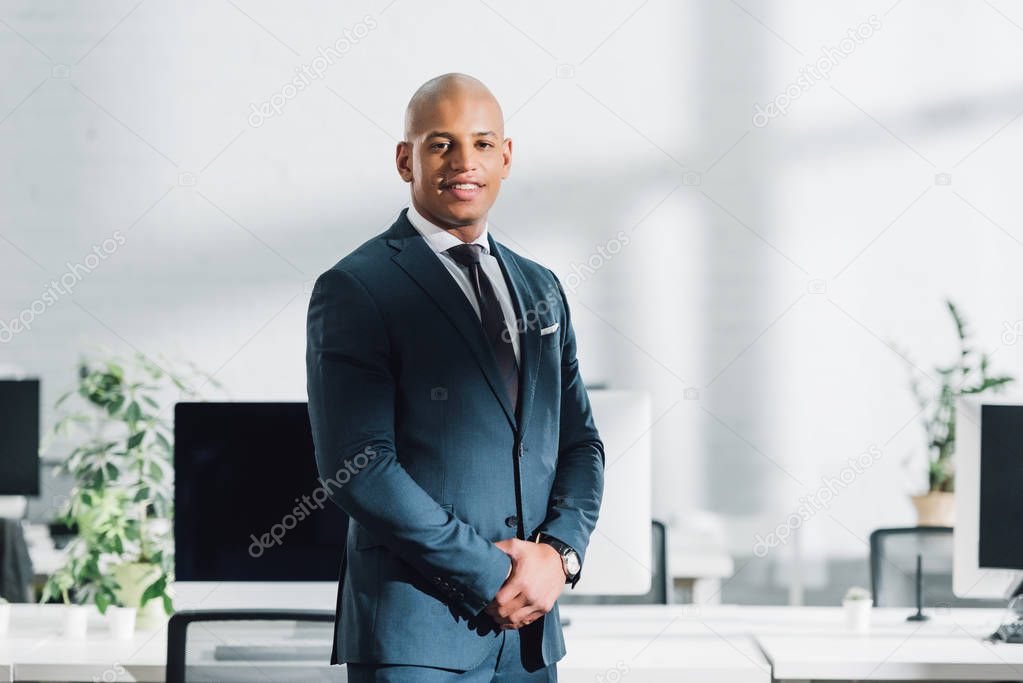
<point x="459" y="215"/>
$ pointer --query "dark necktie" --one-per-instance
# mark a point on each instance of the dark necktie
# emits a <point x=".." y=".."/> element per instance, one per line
<point x="491" y="316"/>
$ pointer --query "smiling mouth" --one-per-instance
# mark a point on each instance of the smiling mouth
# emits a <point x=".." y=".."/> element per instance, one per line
<point x="463" y="191"/>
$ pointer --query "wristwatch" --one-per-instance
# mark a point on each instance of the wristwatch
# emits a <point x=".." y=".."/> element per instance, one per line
<point x="569" y="557"/>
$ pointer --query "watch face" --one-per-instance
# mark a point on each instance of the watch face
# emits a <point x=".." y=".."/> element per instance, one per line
<point x="572" y="563"/>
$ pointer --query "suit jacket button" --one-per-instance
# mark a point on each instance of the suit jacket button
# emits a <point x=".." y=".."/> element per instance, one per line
<point x="511" y="521"/>
<point x="522" y="449"/>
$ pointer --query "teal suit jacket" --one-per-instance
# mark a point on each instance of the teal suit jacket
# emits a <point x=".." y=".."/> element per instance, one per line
<point x="412" y="426"/>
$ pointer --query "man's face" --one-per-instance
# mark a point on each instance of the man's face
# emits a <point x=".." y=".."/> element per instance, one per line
<point x="455" y="159"/>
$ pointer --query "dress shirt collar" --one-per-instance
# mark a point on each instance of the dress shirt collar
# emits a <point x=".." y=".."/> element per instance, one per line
<point x="439" y="239"/>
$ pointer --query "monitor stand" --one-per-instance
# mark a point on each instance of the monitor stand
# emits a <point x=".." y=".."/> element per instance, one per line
<point x="1012" y="631"/>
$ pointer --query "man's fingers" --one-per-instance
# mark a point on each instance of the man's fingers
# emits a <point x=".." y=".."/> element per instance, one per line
<point x="507" y="545"/>
<point x="524" y="617"/>
<point x="501" y="611"/>
<point x="511" y="588"/>
<point x="506" y="608"/>
<point x="529" y="611"/>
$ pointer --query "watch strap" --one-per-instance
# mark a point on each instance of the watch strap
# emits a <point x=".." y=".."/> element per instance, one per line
<point x="562" y="548"/>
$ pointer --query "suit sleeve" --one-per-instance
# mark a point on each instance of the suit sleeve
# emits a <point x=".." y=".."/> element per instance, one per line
<point x="579" y="478"/>
<point x="351" y="409"/>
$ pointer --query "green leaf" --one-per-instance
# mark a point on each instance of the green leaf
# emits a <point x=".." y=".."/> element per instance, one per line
<point x="134" y="413"/>
<point x="158" y="589"/>
<point x="115" y="405"/>
<point x="163" y="441"/>
<point x="135" y="439"/>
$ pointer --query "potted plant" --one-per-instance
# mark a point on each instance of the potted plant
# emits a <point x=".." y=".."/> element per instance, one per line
<point x="857" y="603"/>
<point x="122" y="498"/>
<point x="121" y="620"/>
<point x="967" y="374"/>
<point x="78" y="571"/>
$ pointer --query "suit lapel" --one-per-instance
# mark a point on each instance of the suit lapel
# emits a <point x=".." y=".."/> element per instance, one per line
<point x="415" y="257"/>
<point x="529" y="334"/>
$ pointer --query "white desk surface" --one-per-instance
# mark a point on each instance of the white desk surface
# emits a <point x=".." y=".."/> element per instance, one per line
<point x="892" y="658"/>
<point x="676" y="643"/>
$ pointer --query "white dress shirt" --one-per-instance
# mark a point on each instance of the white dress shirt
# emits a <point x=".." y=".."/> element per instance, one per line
<point x="440" y="240"/>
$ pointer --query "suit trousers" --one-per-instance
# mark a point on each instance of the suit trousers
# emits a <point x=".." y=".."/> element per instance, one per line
<point x="502" y="665"/>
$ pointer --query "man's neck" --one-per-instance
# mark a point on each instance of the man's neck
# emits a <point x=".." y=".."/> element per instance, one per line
<point x="467" y="233"/>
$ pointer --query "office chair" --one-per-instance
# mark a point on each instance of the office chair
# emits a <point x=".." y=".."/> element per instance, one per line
<point x="660" y="582"/>
<point x="251" y="644"/>
<point x="893" y="555"/>
<point x="15" y="562"/>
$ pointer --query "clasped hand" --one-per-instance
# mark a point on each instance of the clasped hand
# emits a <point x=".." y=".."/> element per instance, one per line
<point x="533" y="584"/>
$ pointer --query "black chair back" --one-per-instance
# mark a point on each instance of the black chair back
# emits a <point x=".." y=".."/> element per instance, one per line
<point x="251" y="645"/>
<point x="893" y="554"/>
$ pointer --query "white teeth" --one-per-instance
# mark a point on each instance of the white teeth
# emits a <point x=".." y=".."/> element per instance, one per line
<point x="465" y="186"/>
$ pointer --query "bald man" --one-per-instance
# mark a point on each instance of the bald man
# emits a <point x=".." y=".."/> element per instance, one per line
<point x="443" y="380"/>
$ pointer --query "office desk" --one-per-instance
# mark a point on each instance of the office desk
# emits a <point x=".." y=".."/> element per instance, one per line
<point x="35" y="650"/>
<point x="645" y="644"/>
<point x="891" y="658"/>
<point x="812" y="644"/>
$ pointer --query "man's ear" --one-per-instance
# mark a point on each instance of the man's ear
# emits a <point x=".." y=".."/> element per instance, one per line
<point x="506" y="153"/>
<point x="403" y="160"/>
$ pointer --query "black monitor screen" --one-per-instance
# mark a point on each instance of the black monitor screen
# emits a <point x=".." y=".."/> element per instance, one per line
<point x="1001" y="486"/>
<point x="19" y="437"/>
<point x="248" y="503"/>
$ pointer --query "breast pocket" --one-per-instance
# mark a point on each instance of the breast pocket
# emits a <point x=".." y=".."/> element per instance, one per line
<point x="550" y="341"/>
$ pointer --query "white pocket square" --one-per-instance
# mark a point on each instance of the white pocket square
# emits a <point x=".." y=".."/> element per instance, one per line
<point x="549" y="329"/>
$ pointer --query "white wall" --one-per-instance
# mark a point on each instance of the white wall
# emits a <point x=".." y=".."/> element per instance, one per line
<point x="651" y="134"/>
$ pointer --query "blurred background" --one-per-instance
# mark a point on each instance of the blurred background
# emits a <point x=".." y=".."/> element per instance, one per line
<point x="758" y="210"/>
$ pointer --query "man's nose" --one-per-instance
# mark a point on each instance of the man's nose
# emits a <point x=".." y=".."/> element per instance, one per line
<point x="463" y="159"/>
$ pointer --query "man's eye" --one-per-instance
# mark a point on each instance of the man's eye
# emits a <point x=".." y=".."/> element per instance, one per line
<point x="485" y="144"/>
<point x="438" y="145"/>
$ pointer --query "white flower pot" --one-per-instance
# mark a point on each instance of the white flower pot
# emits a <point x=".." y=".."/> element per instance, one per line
<point x="857" y="615"/>
<point x="121" y="621"/>
<point x="76" y="621"/>
<point x="134" y="578"/>
<point x="5" y="618"/>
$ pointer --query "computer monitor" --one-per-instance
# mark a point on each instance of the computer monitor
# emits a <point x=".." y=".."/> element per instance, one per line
<point x="619" y="557"/>
<point x="245" y="497"/>
<point x="19" y="437"/>
<point x="989" y="498"/>
<point x="242" y="469"/>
